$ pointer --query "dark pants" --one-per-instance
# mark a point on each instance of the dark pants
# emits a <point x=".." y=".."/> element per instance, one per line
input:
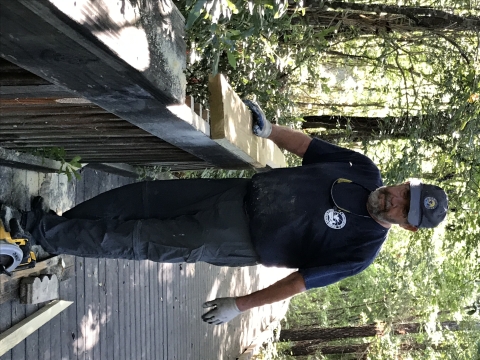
<point x="164" y="221"/>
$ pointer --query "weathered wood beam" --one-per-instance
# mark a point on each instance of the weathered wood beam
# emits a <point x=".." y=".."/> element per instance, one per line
<point x="231" y="124"/>
<point x="28" y="326"/>
<point x="90" y="52"/>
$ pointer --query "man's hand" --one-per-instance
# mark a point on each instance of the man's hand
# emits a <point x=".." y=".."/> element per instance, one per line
<point x="261" y="126"/>
<point x="225" y="309"/>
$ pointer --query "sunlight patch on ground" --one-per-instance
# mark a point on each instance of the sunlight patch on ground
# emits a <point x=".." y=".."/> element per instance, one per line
<point x="90" y="330"/>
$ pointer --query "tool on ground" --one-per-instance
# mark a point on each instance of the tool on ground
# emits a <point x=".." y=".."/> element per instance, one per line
<point x="15" y="251"/>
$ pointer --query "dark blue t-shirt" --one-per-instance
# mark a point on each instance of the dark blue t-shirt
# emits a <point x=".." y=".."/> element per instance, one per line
<point x="294" y="222"/>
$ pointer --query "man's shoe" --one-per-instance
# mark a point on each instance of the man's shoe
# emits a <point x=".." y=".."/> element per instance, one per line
<point x="8" y="213"/>
<point x="31" y="219"/>
<point x="38" y="204"/>
<point x="17" y="232"/>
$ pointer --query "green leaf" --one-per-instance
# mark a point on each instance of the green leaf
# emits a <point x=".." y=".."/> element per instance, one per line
<point x="247" y="33"/>
<point x="195" y="13"/>
<point x="232" y="60"/>
<point x="232" y="7"/>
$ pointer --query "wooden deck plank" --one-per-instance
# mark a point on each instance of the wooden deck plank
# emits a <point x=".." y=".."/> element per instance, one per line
<point x="6" y="323"/>
<point x="131" y="310"/>
<point x="143" y="310"/>
<point x="160" y="311"/>
<point x="115" y="311"/>
<point x="107" y="296"/>
<point x="154" y="299"/>
<point x="164" y="271"/>
<point x="179" y="307"/>
<point x="153" y="291"/>
<point x="68" y="318"/>
<point x="105" y="344"/>
<point x="55" y="352"/>
<point x="172" y="313"/>
<point x="138" y="316"/>
<point x="146" y="309"/>
<point x="92" y="182"/>
<point x="189" y="310"/>
<point x="6" y="186"/>
<point x="44" y="341"/>
<point x="149" y="309"/>
<point x="122" y="295"/>
<point x="103" y="308"/>
<point x="160" y="319"/>
<point x="19" y="310"/>
<point x="168" y="299"/>
<point x="31" y="342"/>
<point x="34" y="182"/>
<point x="183" y="328"/>
<point x="80" y="341"/>
<point x="55" y="323"/>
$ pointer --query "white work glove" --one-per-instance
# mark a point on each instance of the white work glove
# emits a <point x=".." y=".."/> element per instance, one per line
<point x="225" y="309"/>
<point x="261" y="126"/>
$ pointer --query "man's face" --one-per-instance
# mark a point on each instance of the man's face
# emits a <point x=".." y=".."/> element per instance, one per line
<point x="390" y="204"/>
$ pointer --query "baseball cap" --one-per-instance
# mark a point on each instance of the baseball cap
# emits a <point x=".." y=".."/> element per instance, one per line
<point x="428" y="205"/>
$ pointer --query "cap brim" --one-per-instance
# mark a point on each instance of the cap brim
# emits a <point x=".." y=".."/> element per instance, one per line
<point x="415" y="212"/>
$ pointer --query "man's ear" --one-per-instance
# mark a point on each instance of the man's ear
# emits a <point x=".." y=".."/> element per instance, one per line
<point x="409" y="227"/>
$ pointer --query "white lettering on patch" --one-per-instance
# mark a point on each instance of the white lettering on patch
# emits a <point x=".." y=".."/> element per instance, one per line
<point x="335" y="219"/>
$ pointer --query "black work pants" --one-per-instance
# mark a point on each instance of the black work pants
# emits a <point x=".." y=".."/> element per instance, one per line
<point x="164" y="221"/>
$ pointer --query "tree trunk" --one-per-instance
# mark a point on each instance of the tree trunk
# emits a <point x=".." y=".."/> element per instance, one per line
<point x="307" y="348"/>
<point x="426" y="127"/>
<point x="330" y="122"/>
<point x="330" y="334"/>
<point x="412" y="19"/>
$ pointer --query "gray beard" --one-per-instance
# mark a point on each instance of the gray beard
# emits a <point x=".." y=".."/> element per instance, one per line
<point x="374" y="205"/>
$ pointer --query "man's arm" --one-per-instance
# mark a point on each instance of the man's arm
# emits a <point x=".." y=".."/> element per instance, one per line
<point x="293" y="284"/>
<point x="293" y="141"/>
<point x="225" y="309"/>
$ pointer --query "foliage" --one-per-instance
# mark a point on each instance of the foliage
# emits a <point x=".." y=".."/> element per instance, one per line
<point x="159" y="172"/>
<point x="67" y="167"/>
<point x="151" y="172"/>
<point x="254" y="46"/>
<point x="214" y="174"/>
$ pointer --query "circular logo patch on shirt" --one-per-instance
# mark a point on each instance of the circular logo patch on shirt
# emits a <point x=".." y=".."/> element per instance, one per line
<point x="335" y="219"/>
<point x="430" y="203"/>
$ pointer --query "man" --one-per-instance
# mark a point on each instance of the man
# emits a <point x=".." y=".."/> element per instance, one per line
<point x="328" y="218"/>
